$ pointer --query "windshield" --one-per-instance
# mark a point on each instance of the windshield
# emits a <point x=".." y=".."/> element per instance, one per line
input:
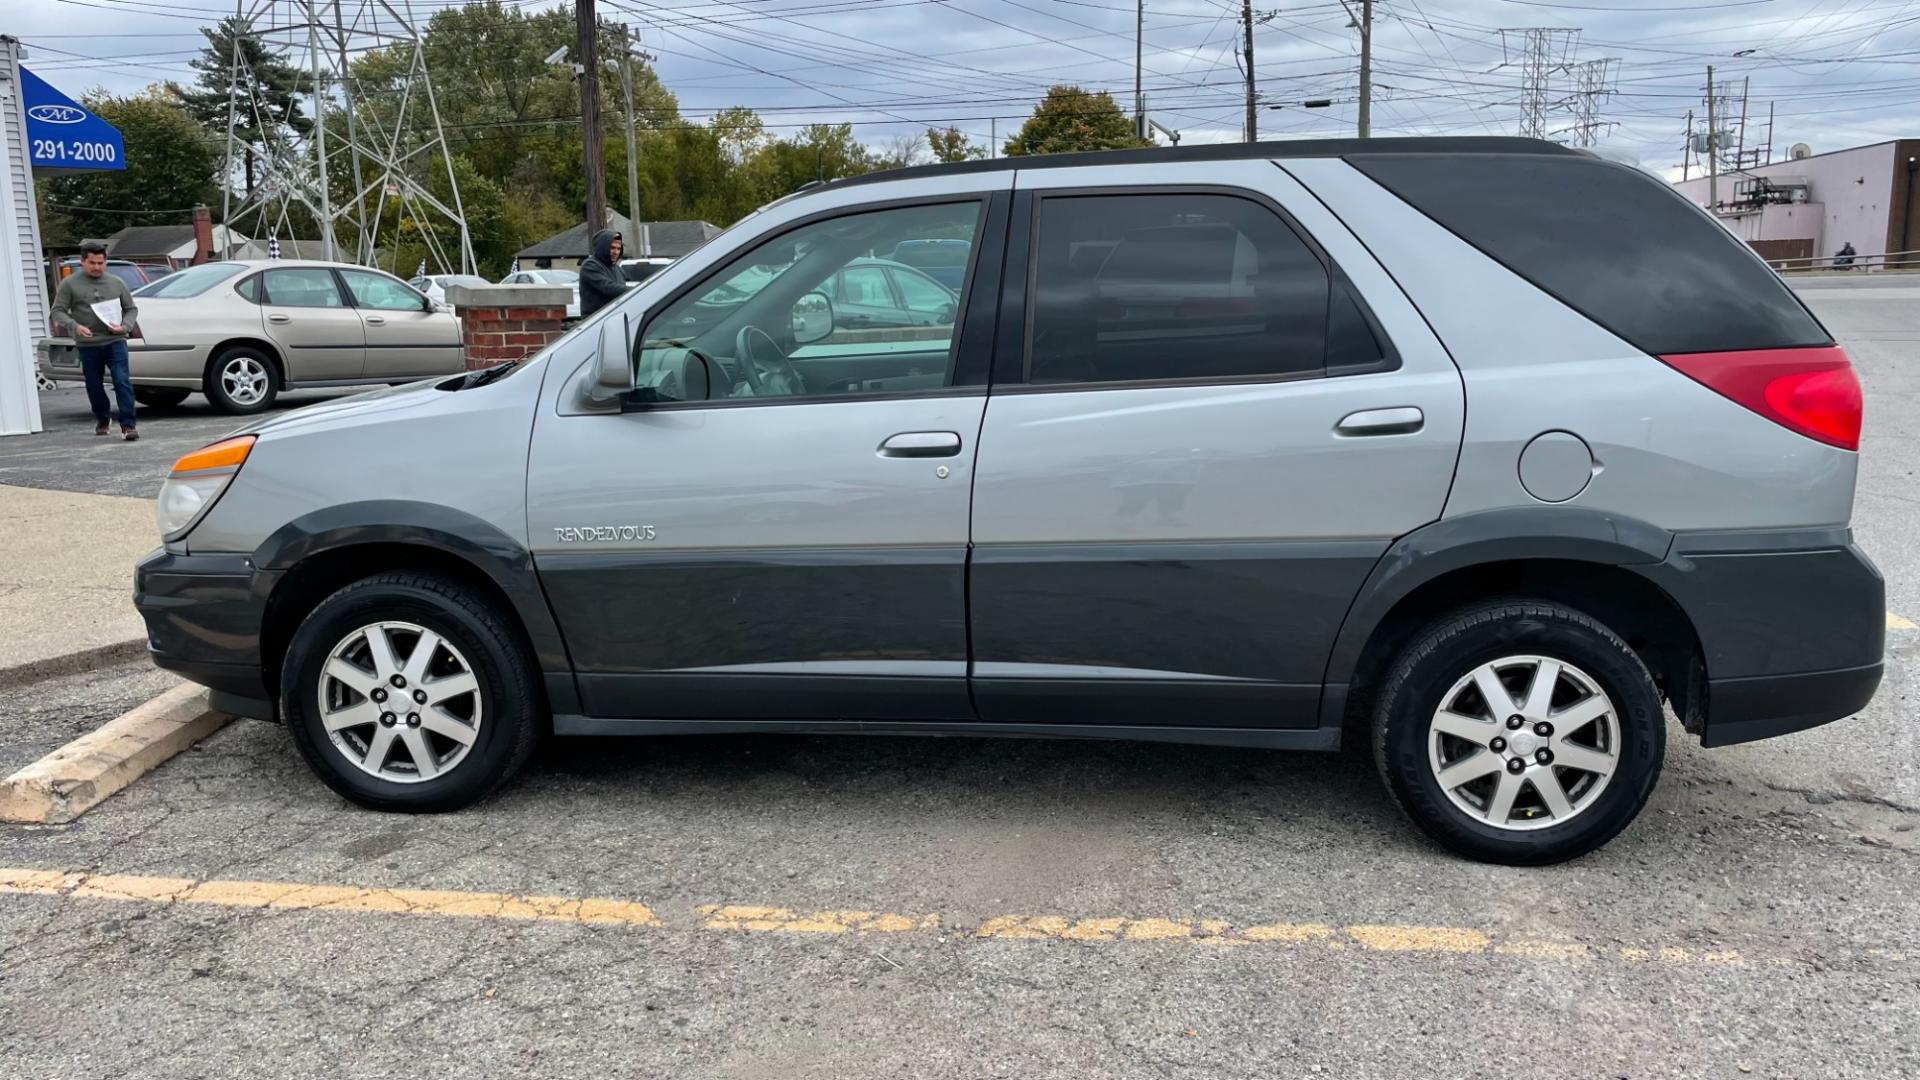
<point x="448" y="281"/>
<point x="192" y="281"/>
<point x="557" y="277"/>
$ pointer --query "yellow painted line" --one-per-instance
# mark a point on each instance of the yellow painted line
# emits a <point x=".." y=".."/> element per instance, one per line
<point x="751" y="919"/>
<point x="1900" y="622"/>
<point x="284" y="896"/>
<point x="758" y="919"/>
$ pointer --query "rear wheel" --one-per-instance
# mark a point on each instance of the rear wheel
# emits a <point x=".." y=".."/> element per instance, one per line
<point x="242" y="380"/>
<point x="163" y="397"/>
<point x="409" y="691"/>
<point x="1519" y="732"/>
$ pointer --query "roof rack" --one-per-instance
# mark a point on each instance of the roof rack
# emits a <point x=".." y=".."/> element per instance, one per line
<point x="1279" y="148"/>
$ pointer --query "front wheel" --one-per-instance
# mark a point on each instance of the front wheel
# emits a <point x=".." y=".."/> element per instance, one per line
<point x="1519" y="732"/>
<point x="409" y="691"/>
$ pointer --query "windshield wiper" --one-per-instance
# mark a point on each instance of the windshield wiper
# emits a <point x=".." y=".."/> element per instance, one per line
<point x="487" y="375"/>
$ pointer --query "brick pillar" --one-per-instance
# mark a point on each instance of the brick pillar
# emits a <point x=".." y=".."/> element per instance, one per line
<point x="503" y="323"/>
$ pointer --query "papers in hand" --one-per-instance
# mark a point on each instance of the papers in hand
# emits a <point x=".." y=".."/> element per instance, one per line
<point x="108" y="311"/>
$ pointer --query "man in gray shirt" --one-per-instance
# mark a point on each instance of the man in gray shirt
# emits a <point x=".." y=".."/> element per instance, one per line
<point x="100" y="309"/>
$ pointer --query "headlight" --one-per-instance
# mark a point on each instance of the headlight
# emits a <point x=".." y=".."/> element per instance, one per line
<point x="196" y="483"/>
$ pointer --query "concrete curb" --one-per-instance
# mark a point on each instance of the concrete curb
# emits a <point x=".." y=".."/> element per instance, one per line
<point x="71" y="663"/>
<point x="80" y="775"/>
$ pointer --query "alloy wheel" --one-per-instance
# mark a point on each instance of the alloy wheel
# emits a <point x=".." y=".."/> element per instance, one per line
<point x="400" y="702"/>
<point x="244" y="379"/>
<point x="1524" y="742"/>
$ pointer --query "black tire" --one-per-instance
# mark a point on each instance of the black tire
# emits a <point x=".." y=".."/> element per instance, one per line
<point x="1451" y="648"/>
<point x="513" y="716"/>
<point x="160" y="397"/>
<point x="215" y="384"/>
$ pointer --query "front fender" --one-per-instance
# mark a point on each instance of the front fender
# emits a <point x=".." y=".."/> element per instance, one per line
<point x="504" y="560"/>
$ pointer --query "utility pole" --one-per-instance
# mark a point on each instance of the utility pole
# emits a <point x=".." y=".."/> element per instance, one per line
<point x="1740" y="162"/>
<point x="1253" y="107"/>
<point x="1139" y="99"/>
<point x="589" y="76"/>
<point x="1366" y="69"/>
<point x="633" y="151"/>
<point x="1686" y="148"/>
<point x="1713" y="151"/>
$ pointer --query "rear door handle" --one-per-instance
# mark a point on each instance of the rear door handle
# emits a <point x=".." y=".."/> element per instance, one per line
<point x="280" y="318"/>
<point x="1401" y="421"/>
<point x="921" y="444"/>
<point x="375" y="320"/>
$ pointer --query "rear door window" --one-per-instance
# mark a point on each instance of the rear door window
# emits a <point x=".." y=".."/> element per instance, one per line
<point x="1173" y="287"/>
<point x="304" y="287"/>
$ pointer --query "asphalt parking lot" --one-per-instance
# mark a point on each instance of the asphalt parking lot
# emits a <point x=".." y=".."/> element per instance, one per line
<point x="786" y="907"/>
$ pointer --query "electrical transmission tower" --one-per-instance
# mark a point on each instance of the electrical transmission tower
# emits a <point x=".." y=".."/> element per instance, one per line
<point x="1541" y="53"/>
<point x="1594" y="82"/>
<point x="375" y="148"/>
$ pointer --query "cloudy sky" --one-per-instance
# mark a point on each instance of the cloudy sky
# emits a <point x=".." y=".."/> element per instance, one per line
<point x="1835" y="72"/>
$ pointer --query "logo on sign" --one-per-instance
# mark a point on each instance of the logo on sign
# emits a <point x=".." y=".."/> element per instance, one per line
<point x="57" y="114"/>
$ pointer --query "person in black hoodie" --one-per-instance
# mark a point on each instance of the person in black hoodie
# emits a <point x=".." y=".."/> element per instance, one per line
<point x="600" y="280"/>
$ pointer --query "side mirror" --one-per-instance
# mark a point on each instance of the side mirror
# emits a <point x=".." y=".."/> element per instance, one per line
<point x="613" y="364"/>
<point x="812" y="318"/>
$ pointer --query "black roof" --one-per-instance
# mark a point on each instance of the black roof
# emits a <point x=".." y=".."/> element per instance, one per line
<point x="1279" y="148"/>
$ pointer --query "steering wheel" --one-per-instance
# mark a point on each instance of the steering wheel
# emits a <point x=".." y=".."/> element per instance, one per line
<point x="743" y="346"/>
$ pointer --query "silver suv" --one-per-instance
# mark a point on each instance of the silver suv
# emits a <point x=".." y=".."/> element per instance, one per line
<point x="1477" y="448"/>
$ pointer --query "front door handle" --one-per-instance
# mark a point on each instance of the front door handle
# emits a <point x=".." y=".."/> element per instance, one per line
<point x="375" y="320"/>
<point x="280" y="318"/>
<point x="1401" y="421"/>
<point x="921" y="444"/>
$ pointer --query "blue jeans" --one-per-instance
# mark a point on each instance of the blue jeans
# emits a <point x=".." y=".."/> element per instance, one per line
<point x="96" y="361"/>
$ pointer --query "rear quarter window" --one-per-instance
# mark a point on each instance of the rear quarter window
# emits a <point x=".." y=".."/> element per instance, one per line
<point x="1614" y="244"/>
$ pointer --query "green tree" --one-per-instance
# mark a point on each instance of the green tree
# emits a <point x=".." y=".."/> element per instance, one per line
<point x="815" y="152"/>
<point x="950" y="145"/>
<point x="1070" y="119"/>
<point x="263" y="100"/>
<point x="171" y="167"/>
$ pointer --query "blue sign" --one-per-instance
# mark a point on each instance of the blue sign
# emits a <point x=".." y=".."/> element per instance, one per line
<point x="62" y="134"/>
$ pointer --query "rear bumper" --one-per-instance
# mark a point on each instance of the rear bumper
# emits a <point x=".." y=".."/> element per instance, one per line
<point x="203" y="616"/>
<point x="1792" y="627"/>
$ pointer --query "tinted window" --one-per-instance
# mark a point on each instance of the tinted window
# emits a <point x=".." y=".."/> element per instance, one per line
<point x="192" y="281"/>
<point x="1130" y="288"/>
<point x="129" y="274"/>
<point x="309" y="287"/>
<point x="1614" y="244"/>
<point x="380" y="292"/>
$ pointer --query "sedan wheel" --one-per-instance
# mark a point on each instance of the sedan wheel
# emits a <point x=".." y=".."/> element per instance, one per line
<point x="242" y="380"/>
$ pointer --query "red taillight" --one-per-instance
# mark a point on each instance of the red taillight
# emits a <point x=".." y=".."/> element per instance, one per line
<point x="1812" y="391"/>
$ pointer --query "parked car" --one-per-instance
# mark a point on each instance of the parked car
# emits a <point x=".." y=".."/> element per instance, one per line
<point x="637" y="270"/>
<point x="241" y="332"/>
<point x="134" y="274"/>
<point x="867" y="294"/>
<point x="569" y="278"/>
<point x="1475" y="449"/>
<point x="943" y="260"/>
<point x="434" y="286"/>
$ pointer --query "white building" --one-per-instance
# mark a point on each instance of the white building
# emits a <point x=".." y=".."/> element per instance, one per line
<point x="1809" y="207"/>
